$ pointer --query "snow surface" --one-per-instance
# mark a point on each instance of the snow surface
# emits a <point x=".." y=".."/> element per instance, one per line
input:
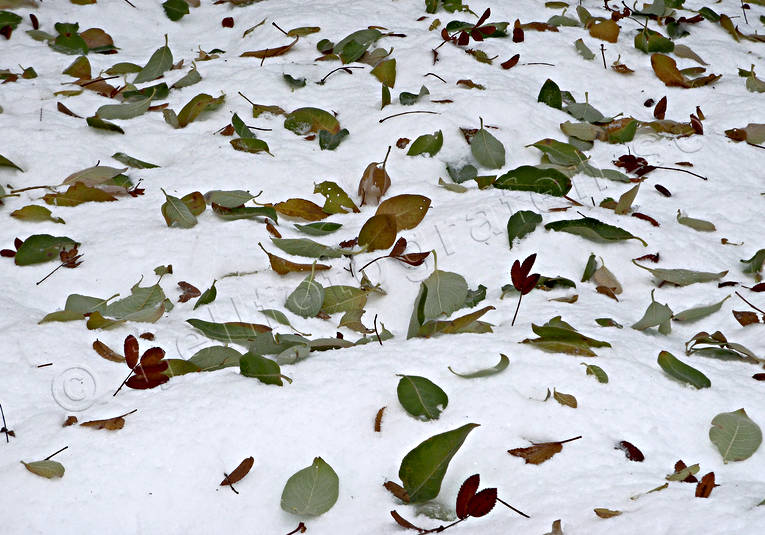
<point x="160" y="473"/>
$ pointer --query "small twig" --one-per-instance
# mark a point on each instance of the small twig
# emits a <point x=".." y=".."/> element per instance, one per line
<point x="516" y="309"/>
<point x="407" y="113"/>
<point x="539" y="63"/>
<point x="603" y="54"/>
<point x="437" y="76"/>
<point x="278" y="28"/>
<point x="62" y="264"/>
<point x="31" y="187"/>
<point x="570" y="439"/>
<point x="41" y="114"/>
<point x="52" y="454"/>
<point x="750" y="304"/>
<point x="503" y="502"/>
<point x="125" y="381"/>
<point x="99" y="79"/>
<point x="5" y="425"/>
<point x="743" y="9"/>
<point x="377" y="333"/>
<point x="256" y="128"/>
<point x="681" y="170"/>
<point x="299" y="529"/>
<point x="245" y="98"/>
<point x="333" y="71"/>
<point x="131" y="4"/>
<point x="755" y="145"/>
<point x="45" y="365"/>
<point x="230" y="484"/>
<point x="572" y="201"/>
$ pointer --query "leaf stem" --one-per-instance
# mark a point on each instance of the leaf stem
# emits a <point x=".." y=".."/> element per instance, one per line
<point x="230" y="484"/>
<point x="407" y="113"/>
<point x="278" y="28"/>
<point x="681" y="170"/>
<point x="520" y="296"/>
<point x="377" y="333"/>
<point x="435" y="75"/>
<point x="31" y="187"/>
<point x="750" y="304"/>
<point x="5" y="425"/>
<point x="570" y="439"/>
<point x="344" y="68"/>
<point x="385" y="160"/>
<point x="503" y="502"/>
<point x="299" y="529"/>
<point x="56" y="453"/>
<point x="245" y="98"/>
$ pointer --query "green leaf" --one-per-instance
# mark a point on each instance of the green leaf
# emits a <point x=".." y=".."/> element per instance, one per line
<point x="427" y="143"/>
<point x="407" y="99"/>
<point x="736" y="436"/>
<point x="755" y="263"/>
<point x="385" y="96"/>
<point x="200" y="103"/>
<point x="596" y="371"/>
<point x="302" y="31"/>
<point x="695" y="224"/>
<point x="263" y="369"/>
<point x="42" y="248"/>
<point x="503" y="363"/>
<point x="33" y="212"/>
<point x="683" y="473"/>
<point x="125" y="111"/>
<point x="235" y="332"/>
<point x="8" y="18"/>
<point x="294" y="83"/>
<point x="420" y="397"/>
<point x="582" y="50"/>
<point x="625" y="201"/>
<point x="522" y="223"/>
<point x="379" y="232"/>
<point x="306" y="247"/>
<point x="550" y="94"/>
<point x="190" y="78"/>
<point x="99" y="123"/>
<point x="590" y="268"/>
<point x="354" y="45"/>
<point x="385" y="71"/>
<point x="146" y="304"/>
<point x="696" y="313"/>
<point x="650" y="41"/>
<point x="530" y="178"/>
<point x="682" y="277"/>
<point x="123" y="68"/>
<point x="424" y="467"/>
<point x="228" y="199"/>
<point x="311" y="491"/>
<point x="487" y="150"/>
<point x="682" y="372"/>
<point x="207" y="297"/>
<point x="656" y="315"/>
<point x="583" y="111"/>
<point x="446" y="293"/>
<point x="176" y="213"/>
<point x="68" y="40"/>
<point x="215" y="358"/>
<point x="607" y="322"/>
<point x="306" y="299"/>
<point x="343" y="299"/>
<point x="159" y="62"/>
<point x="592" y="229"/>
<point x="329" y="141"/>
<point x="337" y="200"/>
<point x="321" y="228"/>
<point x="304" y="120"/>
<point x="251" y="145"/>
<point x="132" y="162"/>
<point x="175" y="9"/>
<point x="560" y="153"/>
<point x="47" y="468"/>
<point x="5" y="162"/>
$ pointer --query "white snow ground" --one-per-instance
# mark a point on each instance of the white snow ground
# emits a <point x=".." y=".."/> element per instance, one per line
<point x="160" y="473"/>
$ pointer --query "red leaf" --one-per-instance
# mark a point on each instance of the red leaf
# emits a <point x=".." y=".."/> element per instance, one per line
<point x="131" y="351"/>
<point x="484" y="17"/>
<point x="403" y="522"/>
<point x="239" y="472"/>
<point x="413" y="259"/>
<point x="515" y="275"/>
<point x="512" y="62"/>
<point x="644" y="217"/>
<point x="652" y="257"/>
<point x="760" y="287"/>
<point x="487" y="30"/>
<point x="398" y="248"/>
<point x="466" y="493"/>
<point x="227" y="22"/>
<point x="144" y="383"/>
<point x="476" y="34"/>
<point x="7" y="253"/>
<point x="463" y="39"/>
<point x="660" y="109"/>
<point x="18" y="243"/>
<point x="527" y="265"/>
<point x="530" y="283"/>
<point x="482" y="503"/>
<point x="189" y="291"/>
<point x="517" y="32"/>
<point x="759" y="376"/>
<point x="631" y="451"/>
<point x="705" y="486"/>
<point x="152" y="357"/>
<point x="445" y="35"/>
<point x="661" y="189"/>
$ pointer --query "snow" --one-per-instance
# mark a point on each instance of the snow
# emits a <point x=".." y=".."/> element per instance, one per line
<point x="159" y="473"/>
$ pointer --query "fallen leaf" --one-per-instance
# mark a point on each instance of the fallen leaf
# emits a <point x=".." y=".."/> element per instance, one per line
<point x="189" y="291"/>
<point x="540" y="452"/>
<point x="239" y="472"/>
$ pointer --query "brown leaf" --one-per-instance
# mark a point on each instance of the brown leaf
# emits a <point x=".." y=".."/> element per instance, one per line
<point x="227" y="22"/>
<point x="269" y="52"/>
<point x="539" y="27"/>
<point x="759" y="376"/>
<point x="272" y="230"/>
<point x="407" y="209"/>
<point x="283" y="266"/>
<point x="239" y="472"/>
<point x="302" y="209"/>
<point x="95" y="37"/>
<point x="189" y="291"/>
<point x="666" y="70"/>
<point x="512" y="62"/>
<point x="70" y="420"/>
<point x="648" y="257"/>
<point x="606" y="30"/>
<point x="644" y="217"/>
<point x="131" y="351"/>
<point x="152" y="357"/>
<point x="565" y="399"/>
<point x="602" y="512"/>
<point x="517" y="32"/>
<point x="107" y="352"/>
<point x="661" y="108"/>
<point x="538" y="453"/>
<point x="110" y="424"/>
<point x="745" y="317"/>
<point x="146" y="378"/>
<point x="374" y="182"/>
<point x="397" y="490"/>
<point x="661" y="189"/>
<point x="705" y="486"/>
<point x="465" y="494"/>
<point x="147" y="335"/>
<point x="403" y="522"/>
<point x="66" y="111"/>
<point x="401" y="144"/>
<point x="378" y="420"/>
<point x="556" y="529"/>
<point x="482" y="503"/>
<point x="379" y="232"/>
<point x="759" y="287"/>
<point x="605" y="290"/>
<point x="631" y="451"/>
<point x="621" y="68"/>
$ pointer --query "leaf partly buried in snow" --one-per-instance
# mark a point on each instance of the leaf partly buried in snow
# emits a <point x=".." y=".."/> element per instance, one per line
<point x="696" y="313"/>
<point x="503" y="363"/>
<point x="424" y="467"/>
<point x="261" y="368"/>
<point x="487" y="150"/>
<point x="683" y="277"/>
<point x="522" y="223"/>
<point x="735" y="435"/>
<point x="427" y="144"/>
<point x="311" y="491"/>
<point x="42" y="248"/>
<point x="304" y="120"/>
<point x="231" y="332"/>
<point x="306" y="299"/>
<point x="592" y="229"/>
<point x="535" y="179"/>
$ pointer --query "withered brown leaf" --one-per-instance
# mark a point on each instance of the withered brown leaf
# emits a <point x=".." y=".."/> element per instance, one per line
<point x="540" y="452"/>
<point x="106" y="352"/>
<point x="374" y="182"/>
<point x="705" y="486"/>
<point x="239" y="472"/>
<point x="631" y="451"/>
<point x="110" y="424"/>
<point x="397" y="490"/>
<point x="378" y="420"/>
<point x="70" y="420"/>
<point x="189" y="291"/>
<point x="283" y="266"/>
<point x="745" y="317"/>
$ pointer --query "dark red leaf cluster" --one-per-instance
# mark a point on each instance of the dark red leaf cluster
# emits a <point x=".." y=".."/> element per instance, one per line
<point x="634" y="164"/>
<point x="477" y="32"/>
<point x="148" y="371"/>
<point x="519" y="273"/>
<point x="472" y="503"/>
